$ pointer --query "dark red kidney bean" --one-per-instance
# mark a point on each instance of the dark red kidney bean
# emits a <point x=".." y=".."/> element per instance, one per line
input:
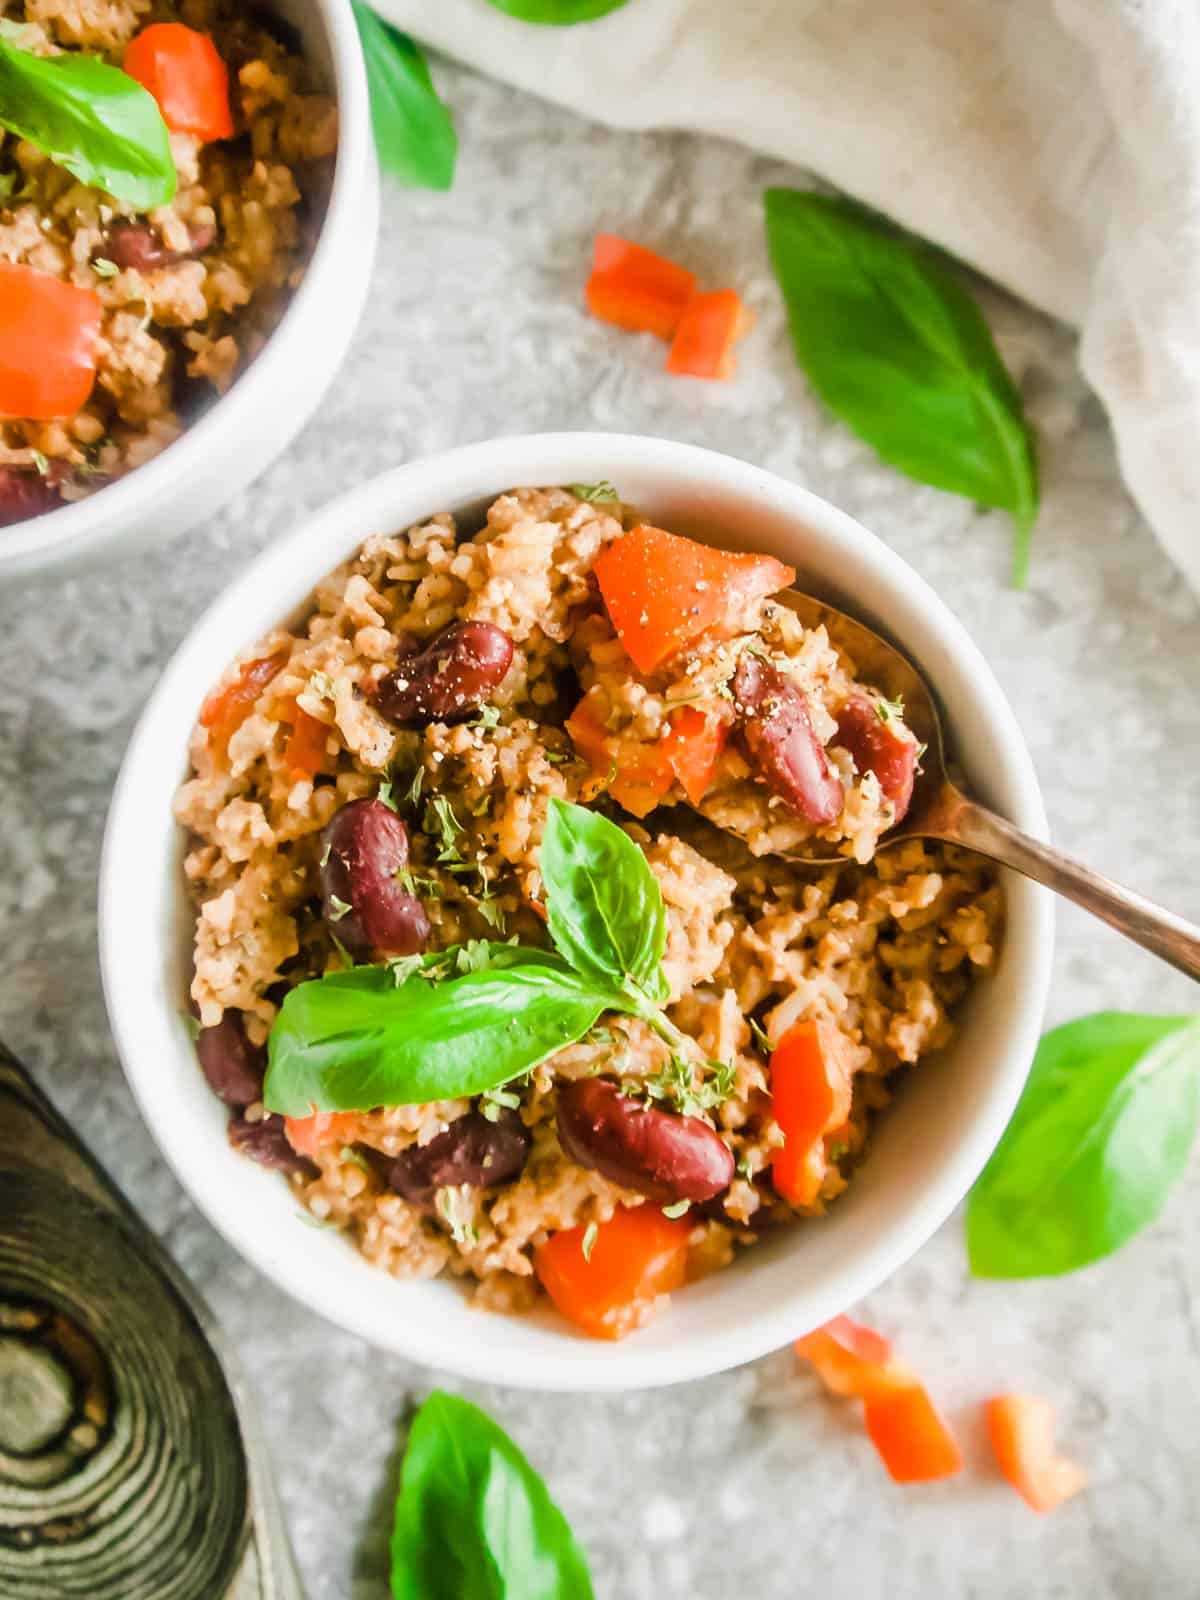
<point x="366" y="845"/>
<point x="134" y="245"/>
<point x="877" y="747"/>
<point x="665" y="1156"/>
<point x="267" y="1143"/>
<point x="473" y="1151"/>
<point x="233" y="1066"/>
<point x="776" y="732"/>
<point x="449" y="679"/>
<point x="24" y="495"/>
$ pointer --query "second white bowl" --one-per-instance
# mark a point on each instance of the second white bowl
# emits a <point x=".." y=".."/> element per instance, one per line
<point x="929" y="1147"/>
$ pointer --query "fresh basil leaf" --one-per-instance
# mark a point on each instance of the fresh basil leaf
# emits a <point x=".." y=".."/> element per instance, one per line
<point x="474" y="1520"/>
<point x="91" y="118"/>
<point x="355" y="1039"/>
<point x="1101" y="1133"/>
<point x="558" y="13"/>
<point x="896" y="347"/>
<point x="603" y="904"/>
<point x="414" y="131"/>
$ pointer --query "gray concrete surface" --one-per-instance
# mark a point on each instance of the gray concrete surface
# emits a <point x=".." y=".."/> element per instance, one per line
<point x="748" y="1483"/>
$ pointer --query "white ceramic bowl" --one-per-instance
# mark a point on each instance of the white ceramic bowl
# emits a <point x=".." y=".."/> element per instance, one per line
<point x="242" y="432"/>
<point x="930" y="1146"/>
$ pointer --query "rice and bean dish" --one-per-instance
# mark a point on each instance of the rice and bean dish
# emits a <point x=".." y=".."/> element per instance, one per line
<point x="120" y="321"/>
<point x="482" y="855"/>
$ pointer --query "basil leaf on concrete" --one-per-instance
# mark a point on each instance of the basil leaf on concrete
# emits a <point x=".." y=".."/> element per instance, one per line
<point x="414" y="131"/>
<point x="355" y="1039"/>
<point x="91" y="118"/>
<point x="894" y="344"/>
<point x="558" y="13"/>
<point x="1102" y="1131"/>
<point x="603" y="904"/>
<point x="474" y="1520"/>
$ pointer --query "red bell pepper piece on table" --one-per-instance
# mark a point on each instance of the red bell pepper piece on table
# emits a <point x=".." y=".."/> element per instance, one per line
<point x="635" y="289"/>
<point x="709" y="328"/>
<point x="1021" y="1429"/>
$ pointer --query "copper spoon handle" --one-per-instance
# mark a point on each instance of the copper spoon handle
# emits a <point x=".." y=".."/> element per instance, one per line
<point x="961" y="821"/>
<point x="131" y="1461"/>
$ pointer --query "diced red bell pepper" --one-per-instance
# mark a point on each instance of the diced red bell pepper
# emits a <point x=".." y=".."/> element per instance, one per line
<point x="307" y="1135"/>
<point x="1021" y="1429"/>
<point x="227" y="708"/>
<point x="637" y="1255"/>
<point x="48" y="333"/>
<point x="663" y="592"/>
<point x="636" y="775"/>
<point x="853" y="1360"/>
<point x="693" y="746"/>
<point x="184" y="72"/>
<point x="709" y="328"/>
<point x="635" y="289"/>
<point x="305" y="751"/>
<point x="810" y="1096"/>
<point x="913" y="1442"/>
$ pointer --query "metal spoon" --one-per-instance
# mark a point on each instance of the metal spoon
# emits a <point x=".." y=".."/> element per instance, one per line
<point x="940" y="810"/>
<point x="131" y="1462"/>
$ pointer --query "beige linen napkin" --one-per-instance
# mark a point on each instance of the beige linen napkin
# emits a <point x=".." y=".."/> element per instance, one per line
<point x="1053" y="144"/>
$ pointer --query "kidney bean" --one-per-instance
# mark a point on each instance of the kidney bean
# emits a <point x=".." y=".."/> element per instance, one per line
<point x="665" y="1156"/>
<point x="447" y="680"/>
<point x="366" y="845"/>
<point x="266" y="1142"/>
<point x="878" y="747"/>
<point x="134" y="245"/>
<point x="473" y="1151"/>
<point x="233" y="1066"/>
<point x="776" y="732"/>
<point x="25" y="494"/>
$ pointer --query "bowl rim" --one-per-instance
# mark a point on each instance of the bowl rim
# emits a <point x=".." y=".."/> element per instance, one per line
<point x="100" y="520"/>
<point x="276" y="581"/>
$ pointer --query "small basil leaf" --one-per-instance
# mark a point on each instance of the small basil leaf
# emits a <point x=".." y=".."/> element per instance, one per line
<point x="1101" y="1133"/>
<point x="558" y="13"/>
<point x="90" y="118"/>
<point x="896" y="347"/>
<point x="414" y="131"/>
<point x="355" y="1040"/>
<point x="603" y="904"/>
<point x="474" y="1520"/>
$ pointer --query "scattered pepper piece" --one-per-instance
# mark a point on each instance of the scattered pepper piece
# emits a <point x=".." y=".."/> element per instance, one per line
<point x="636" y="289"/>
<point x="1021" y="1430"/>
<point x="708" y="330"/>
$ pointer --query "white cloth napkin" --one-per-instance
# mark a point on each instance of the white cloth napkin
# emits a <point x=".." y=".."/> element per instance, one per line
<point x="1053" y="144"/>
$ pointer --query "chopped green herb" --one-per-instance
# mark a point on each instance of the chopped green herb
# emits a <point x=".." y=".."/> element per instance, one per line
<point x="402" y="968"/>
<point x="480" y="807"/>
<point x="386" y="795"/>
<point x="485" y="717"/>
<point x="493" y="1101"/>
<point x="192" y="1025"/>
<point x="40" y="462"/>
<point x="340" y="909"/>
<point x="417" y="883"/>
<point x="439" y="817"/>
<point x="492" y="912"/>
<point x="837" y="1151"/>
<point x="413" y="793"/>
<point x="743" y="1166"/>
<point x="675" y="1083"/>
<point x="759" y="1034"/>
<point x="104" y="268"/>
<point x="588" y="1242"/>
<point x="598" y="493"/>
<point x="350" y="1156"/>
<point x="557" y="758"/>
<point x="347" y="958"/>
<point x="679" y="1209"/>
<point x="890" y="710"/>
<point x="325" y="852"/>
<point x="455" y="1209"/>
<point x="321" y="683"/>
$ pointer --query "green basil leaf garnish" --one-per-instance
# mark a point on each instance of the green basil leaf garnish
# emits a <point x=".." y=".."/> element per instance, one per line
<point x="896" y="347"/>
<point x="414" y="131"/>
<point x="603" y="904"/>
<point x="90" y="118"/>
<point x="355" y="1040"/>
<point x="474" y="1520"/>
<point x="1102" y="1131"/>
<point x="558" y="13"/>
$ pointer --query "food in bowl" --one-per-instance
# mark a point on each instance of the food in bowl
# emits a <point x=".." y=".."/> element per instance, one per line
<point x="119" y="322"/>
<point x="480" y="848"/>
